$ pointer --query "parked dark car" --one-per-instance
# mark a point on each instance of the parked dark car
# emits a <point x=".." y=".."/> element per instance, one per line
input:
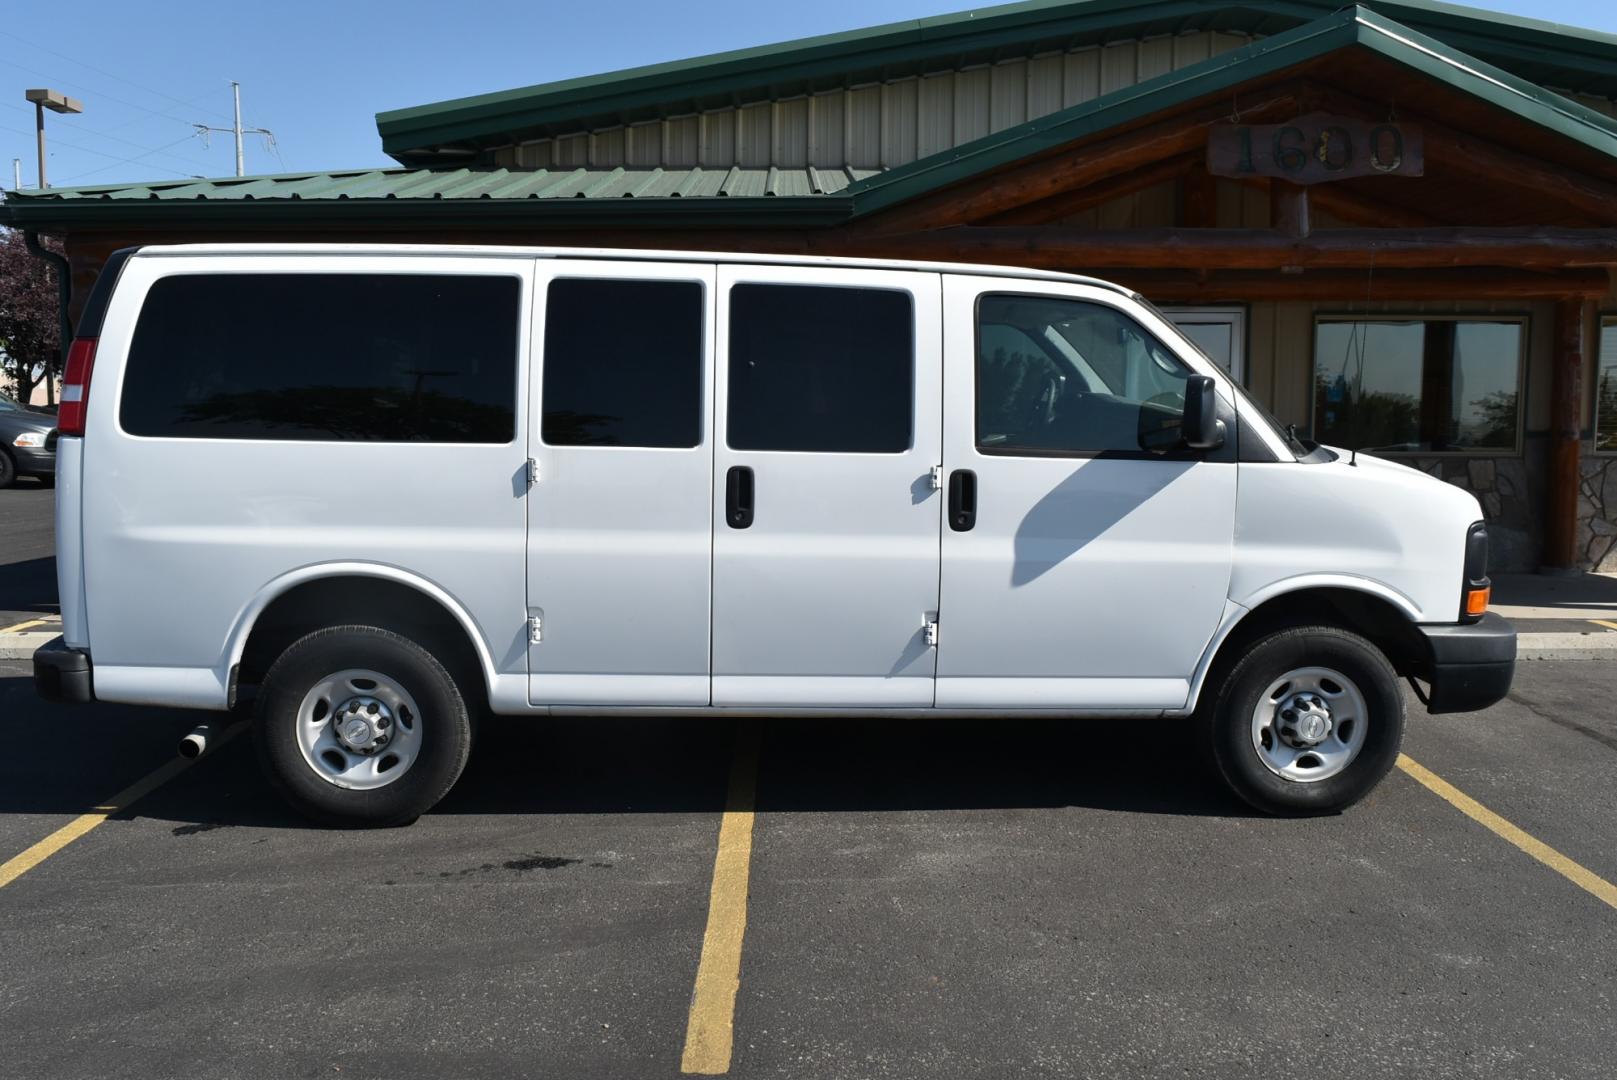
<point x="27" y="442"/>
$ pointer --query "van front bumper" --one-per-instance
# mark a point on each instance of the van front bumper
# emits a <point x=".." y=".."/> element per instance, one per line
<point x="62" y="673"/>
<point x="1469" y="665"/>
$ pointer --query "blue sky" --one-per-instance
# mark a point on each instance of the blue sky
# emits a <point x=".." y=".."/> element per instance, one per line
<point x="316" y="73"/>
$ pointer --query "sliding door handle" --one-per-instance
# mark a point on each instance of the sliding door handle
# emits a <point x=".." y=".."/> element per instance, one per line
<point x="738" y="497"/>
<point x="962" y="500"/>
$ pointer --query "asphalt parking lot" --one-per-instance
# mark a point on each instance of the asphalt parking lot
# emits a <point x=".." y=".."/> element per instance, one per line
<point x="981" y="899"/>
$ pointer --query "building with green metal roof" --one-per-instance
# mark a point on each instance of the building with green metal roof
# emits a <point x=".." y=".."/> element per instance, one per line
<point x="1283" y="176"/>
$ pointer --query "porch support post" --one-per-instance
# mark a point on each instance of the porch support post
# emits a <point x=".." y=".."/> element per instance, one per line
<point x="1566" y="429"/>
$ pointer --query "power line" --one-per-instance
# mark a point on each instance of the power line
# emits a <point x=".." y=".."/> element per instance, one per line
<point x="82" y="129"/>
<point x="91" y="91"/>
<point x="131" y="161"/>
<point x="100" y="71"/>
<point x="100" y="153"/>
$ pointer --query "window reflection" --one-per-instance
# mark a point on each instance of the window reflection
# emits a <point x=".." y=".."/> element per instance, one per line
<point x="1418" y="384"/>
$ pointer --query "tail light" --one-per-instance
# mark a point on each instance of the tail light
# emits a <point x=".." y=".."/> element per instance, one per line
<point x="1476" y="587"/>
<point x="76" y="387"/>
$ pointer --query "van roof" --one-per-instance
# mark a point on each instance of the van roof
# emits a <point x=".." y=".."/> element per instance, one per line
<point x="626" y="255"/>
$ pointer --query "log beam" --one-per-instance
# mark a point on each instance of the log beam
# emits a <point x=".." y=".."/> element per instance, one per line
<point x="1288" y="209"/>
<point x="1068" y="203"/>
<point x="1356" y="209"/>
<point x="1566" y="430"/>
<point x="1063" y="247"/>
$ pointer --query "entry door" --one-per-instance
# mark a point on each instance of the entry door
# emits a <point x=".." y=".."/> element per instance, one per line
<point x="825" y="555"/>
<point x="1220" y="332"/>
<point x="620" y="517"/>
<point x="1094" y="572"/>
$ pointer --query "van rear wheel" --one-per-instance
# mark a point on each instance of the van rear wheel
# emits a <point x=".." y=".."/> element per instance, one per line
<point x="358" y="726"/>
<point x="1309" y="721"/>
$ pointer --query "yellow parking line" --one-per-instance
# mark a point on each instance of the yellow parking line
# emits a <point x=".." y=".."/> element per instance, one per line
<point x="710" y="1031"/>
<point x="1583" y="878"/>
<point x="22" y="626"/>
<point x="1605" y="623"/>
<point x="18" y="865"/>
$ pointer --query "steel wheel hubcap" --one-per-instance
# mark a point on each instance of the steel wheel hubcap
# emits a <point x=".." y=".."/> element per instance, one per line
<point x="1309" y="724"/>
<point x="359" y="729"/>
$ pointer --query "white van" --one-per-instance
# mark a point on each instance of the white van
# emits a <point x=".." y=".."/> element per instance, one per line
<point x="381" y="489"/>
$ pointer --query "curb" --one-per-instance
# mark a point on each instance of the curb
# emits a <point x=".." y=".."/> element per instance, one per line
<point x="22" y="646"/>
<point x="1594" y="645"/>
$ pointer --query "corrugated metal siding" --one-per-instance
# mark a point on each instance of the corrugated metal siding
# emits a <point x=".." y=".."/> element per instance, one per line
<point x="883" y="125"/>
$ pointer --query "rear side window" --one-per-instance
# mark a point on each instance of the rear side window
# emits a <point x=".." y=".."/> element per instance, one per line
<point x="326" y="357"/>
<point x="824" y="369"/>
<point x="623" y="363"/>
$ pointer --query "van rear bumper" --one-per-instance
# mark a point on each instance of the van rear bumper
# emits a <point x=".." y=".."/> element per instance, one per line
<point x="1470" y="665"/>
<point x="62" y="673"/>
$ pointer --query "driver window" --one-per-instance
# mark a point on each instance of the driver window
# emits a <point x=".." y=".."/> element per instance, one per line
<point x="1058" y="375"/>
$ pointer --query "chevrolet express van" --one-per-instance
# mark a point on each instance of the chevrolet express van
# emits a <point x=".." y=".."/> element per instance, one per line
<point x="379" y="490"/>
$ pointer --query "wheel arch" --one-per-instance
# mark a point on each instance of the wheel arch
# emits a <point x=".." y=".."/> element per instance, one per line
<point x="1383" y="616"/>
<point x="313" y="597"/>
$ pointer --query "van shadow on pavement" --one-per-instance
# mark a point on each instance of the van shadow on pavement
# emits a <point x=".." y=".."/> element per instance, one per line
<point x="64" y="759"/>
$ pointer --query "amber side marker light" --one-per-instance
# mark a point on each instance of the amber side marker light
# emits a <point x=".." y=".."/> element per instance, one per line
<point x="1476" y="600"/>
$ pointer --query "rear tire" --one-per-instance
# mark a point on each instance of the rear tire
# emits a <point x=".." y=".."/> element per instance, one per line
<point x="360" y="727"/>
<point x="1308" y="721"/>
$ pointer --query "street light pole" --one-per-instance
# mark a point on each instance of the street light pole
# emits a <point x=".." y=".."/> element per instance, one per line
<point x="55" y="101"/>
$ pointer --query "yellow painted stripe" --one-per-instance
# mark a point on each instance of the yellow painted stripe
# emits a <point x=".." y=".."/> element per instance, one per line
<point x="1580" y="876"/>
<point x="22" y="626"/>
<point x="18" y="865"/>
<point x="1605" y="623"/>
<point x="710" y="1031"/>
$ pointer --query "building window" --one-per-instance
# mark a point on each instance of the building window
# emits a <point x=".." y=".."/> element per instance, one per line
<point x="1419" y="385"/>
<point x="1606" y="388"/>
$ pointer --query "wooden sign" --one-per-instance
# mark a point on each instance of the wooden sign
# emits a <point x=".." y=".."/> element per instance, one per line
<point x="1315" y="148"/>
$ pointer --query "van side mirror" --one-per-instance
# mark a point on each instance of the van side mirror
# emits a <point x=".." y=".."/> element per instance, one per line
<point x="1201" y="429"/>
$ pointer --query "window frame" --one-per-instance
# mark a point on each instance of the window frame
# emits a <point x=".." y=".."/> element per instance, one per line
<point x="1604" y="317"/>
<point x="1524" y="319"/>
<point x="325" y="266"/>
<point x="1226" y="452"/>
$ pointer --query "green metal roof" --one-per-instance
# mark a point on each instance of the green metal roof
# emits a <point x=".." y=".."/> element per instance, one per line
<point x="1546" y="53"/>
<point x="775" y="197"/>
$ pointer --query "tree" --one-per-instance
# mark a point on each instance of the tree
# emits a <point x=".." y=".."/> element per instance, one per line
<point x="29" y="345"/>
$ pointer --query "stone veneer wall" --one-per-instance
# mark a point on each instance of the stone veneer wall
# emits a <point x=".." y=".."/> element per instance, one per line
<point x="1512" y="504"/>
<point x="1597" y="513"/>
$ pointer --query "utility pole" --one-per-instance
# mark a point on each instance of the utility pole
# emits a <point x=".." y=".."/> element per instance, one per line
<point x="16" y="174"/>
<point x="55" y="101"/>
<point x="237" y="130"/>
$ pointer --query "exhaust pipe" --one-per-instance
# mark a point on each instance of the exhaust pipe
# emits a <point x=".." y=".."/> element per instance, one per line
<point x="196" y="744"/>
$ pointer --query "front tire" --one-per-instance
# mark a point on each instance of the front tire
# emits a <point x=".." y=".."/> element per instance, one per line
<point x="360" y="727"/>
<point x="1309" y="721"/>
<point x="8" y="470"/>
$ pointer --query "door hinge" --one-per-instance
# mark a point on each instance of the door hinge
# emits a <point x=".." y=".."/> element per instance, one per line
<point x="536" y="629"/>
<point x="533" y="471"/>
<point x="929" y="627"/>
<point x="937" y="478"/>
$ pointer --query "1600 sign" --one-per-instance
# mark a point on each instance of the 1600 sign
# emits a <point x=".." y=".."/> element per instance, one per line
<point x="1314" y="148"/>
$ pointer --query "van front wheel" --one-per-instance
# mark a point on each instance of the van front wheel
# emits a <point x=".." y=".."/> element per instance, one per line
<point x="358" y="726"/>
<point x="1308" y="722"/>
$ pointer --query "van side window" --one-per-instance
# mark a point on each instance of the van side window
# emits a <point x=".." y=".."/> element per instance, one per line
<point x="823" y="369"/>
<point x="623" y="363"/>
<point x="326" y="357"/>
<point x="1059" y="375"/>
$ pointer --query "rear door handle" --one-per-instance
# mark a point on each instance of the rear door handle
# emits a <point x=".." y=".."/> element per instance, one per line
<point x="738" y="497"/>
<point x="962" y="500"/>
